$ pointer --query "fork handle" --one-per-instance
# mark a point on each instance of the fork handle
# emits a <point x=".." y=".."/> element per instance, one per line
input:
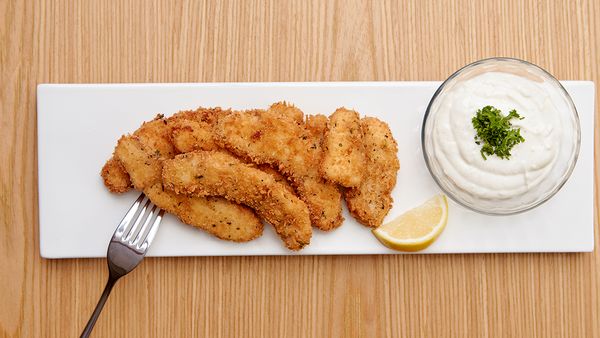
<point x="90" y="325"/>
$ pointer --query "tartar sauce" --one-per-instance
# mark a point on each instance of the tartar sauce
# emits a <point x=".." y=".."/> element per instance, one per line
<point x="531" y="162"/>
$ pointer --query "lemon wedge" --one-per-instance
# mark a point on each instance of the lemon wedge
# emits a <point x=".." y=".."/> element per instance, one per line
<point x="417" y="228"/>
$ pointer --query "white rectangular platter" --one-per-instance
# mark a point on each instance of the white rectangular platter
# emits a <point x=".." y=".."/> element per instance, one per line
<point x="78" y="126"/>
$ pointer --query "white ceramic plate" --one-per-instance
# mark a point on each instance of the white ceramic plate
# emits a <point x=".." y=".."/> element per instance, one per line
<point x="78" y="126"/>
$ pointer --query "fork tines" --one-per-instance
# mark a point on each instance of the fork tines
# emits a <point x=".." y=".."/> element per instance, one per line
<point x="140" y="224"/>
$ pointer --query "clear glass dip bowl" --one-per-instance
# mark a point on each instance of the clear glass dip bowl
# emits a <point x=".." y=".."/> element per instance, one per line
<point x="559" y="171"/>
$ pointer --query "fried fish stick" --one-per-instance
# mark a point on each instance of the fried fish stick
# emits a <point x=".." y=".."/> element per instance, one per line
<point x="343" y="154"/>
<point x="268" y="137"/>
<point x="218" y="173"/>
<point x="116" y="179"/>
<point x="322" y="197"/>
<point x="217" y="216"/>
<point x="154" y="134"/>
<point x="142" y="155"/>
<point x="370" y="202"/>
<point x="190" y="133"/>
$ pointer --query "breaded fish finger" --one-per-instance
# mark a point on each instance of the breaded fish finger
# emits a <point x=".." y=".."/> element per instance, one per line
<point x="154" y="134"/>
<point x="370" y="202"/>
<point x="343" y="154"/>
<point x="268" y="137"/>
<point x="189" y="132"/>
<point x="323" y="198"/>
<point x="217" y="173"/>
<point x="217" y="216"/>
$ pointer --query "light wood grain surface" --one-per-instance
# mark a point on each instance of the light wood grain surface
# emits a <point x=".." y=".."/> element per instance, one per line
<point x="493" y="295"/>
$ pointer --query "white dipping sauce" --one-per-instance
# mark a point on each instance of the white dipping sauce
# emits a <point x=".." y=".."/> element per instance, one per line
<point x="531" y="161"/>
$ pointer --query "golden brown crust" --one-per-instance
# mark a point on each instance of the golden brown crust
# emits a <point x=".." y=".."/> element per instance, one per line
<point x="141" y="162"/>
<point x="141" y="156"/>
<point x="325" y="198"/>
<point x="214" y="215"/>
<point x="268" y="137"/>
<point x="277" y="176"/>
<point x="218" y="173"/>
<point x="288" y="111"/>
<point x="343" y="155"/>
<point x="190" y="135"/>
<point x="116" y="179"/>
<point x="217" y="216"/>
<point x="193" y="130"/>
<point x="316" y="126"/>
<point x="370" y="202"/>
<point x="286" y="155"/>
<point x="154" y="134"/>
<point x="201" y="114"/>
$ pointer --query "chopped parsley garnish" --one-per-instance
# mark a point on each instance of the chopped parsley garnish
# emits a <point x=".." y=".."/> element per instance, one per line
<point x="495" y="133"/>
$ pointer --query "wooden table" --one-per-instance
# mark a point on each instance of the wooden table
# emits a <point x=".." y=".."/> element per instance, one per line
<point x="494" y="295"/>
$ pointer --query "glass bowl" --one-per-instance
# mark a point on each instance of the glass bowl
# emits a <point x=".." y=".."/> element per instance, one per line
<point x="462" y="180"/>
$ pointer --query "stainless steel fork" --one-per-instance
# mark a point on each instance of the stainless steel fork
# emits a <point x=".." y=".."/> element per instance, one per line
<point x="128" y="247"/>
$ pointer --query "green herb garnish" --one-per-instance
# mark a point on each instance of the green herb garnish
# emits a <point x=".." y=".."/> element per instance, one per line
<point x="495" y="132"/>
